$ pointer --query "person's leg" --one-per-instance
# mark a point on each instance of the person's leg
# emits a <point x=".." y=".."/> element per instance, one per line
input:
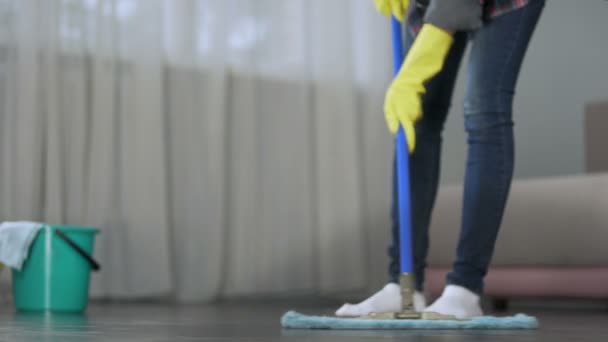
<point x="496" y="56"/>
<point x="424" y="166"/>
<point x="425" y="163"/>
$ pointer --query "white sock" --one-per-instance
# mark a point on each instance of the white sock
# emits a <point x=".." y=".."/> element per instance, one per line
<point x="386" y="300"/>
<point x="457" y="301"/>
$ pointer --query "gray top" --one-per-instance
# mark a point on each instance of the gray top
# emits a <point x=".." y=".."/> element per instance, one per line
<point x="455" y="15"/>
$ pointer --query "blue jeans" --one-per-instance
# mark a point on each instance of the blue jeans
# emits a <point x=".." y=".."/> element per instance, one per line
<point x="496" y="56"/>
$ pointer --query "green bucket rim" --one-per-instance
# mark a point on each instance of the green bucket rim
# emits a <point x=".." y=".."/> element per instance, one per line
<point x="73" y="229"/>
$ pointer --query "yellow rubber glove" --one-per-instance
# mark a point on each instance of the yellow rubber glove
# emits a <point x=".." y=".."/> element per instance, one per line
<point x="403" y="101"/>
<point x="398" y="8"/>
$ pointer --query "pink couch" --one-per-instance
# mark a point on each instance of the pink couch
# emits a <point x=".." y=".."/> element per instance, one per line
<point x="505" y="282"/>
<point x="552" y="242"/>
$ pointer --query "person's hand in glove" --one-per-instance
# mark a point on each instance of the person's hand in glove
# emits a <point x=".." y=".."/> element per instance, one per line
<point x="403" y="101"/>
<point x="398" y="8"/>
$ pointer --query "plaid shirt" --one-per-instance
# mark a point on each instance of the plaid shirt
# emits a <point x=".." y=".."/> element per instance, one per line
<point x="497" y="7"/>
<point x="491" y="9"/>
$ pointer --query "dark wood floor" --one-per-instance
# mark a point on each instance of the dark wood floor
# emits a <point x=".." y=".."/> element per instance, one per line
<point x="251" y="321"/>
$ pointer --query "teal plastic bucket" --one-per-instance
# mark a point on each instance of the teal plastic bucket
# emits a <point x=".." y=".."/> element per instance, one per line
<point x="56" y="274"/>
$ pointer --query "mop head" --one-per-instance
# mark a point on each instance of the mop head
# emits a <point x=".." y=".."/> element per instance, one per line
<point x="295" y="320"/>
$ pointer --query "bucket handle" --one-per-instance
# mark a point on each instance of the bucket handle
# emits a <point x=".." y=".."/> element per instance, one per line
<point x="94" y="264"/>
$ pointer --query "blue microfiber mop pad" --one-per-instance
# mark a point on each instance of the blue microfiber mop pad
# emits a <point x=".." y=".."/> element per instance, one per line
<point x="295" y="320"/>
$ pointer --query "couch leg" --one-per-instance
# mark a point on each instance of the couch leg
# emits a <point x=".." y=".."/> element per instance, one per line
<point x="500" y="304"/>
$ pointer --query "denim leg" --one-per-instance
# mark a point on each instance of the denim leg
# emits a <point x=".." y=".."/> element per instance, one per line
<point x="424" y="162"/>
<point x="496" y="56"/>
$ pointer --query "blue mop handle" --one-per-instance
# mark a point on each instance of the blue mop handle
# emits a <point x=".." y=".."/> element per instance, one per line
<point x="403" y="169"/>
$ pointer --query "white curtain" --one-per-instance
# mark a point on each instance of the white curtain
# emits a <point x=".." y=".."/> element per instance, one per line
<point x="224" y="147"/>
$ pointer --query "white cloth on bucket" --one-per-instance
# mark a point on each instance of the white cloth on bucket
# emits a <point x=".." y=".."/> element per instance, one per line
<point x="15" y="241"/>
